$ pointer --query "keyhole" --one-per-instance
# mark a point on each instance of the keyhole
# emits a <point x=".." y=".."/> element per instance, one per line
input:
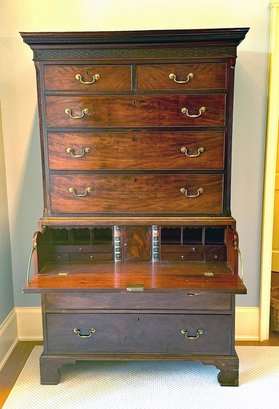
<point x="138" y="320"/>
<point x="134" y="138"/>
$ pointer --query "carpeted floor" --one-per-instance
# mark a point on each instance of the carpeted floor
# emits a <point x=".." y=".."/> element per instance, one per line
<point x="151" y="385"/>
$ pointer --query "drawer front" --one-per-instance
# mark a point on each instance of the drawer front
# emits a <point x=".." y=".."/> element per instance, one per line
<point x="116" y="333"/>
<point x="127" y="111"/>
<point x="136" y="150"/>
<point x="181" y="256"/>
<point x="181" y="76"/>
<point x="191" y="300"/>
<point x="87" y="78"/>
<point x="136" y="193"/>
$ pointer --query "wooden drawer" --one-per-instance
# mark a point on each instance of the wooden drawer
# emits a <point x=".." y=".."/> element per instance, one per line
<point x="182" y="256"/>
<point x="87" y="78"/>
<point x="136" y="150"/>
<point x="127" y="111"/>
<point x="191" y="301"/>
<point x="116" y="333"/>
<point x="189" y="76"/>
<point x="150" y="193"/>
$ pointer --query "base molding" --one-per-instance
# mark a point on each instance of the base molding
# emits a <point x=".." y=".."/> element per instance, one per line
<point x="8" y="337"/>
<point x="29" y="321"/>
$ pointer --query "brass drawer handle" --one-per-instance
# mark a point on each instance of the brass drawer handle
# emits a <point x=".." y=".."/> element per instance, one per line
<point x="79" y="334"/>
<point x="173" y="77"/>
<point x="184" y="191"/>
<point x="199" y="332"/>
<point x="185" y="111"/>
<point x="192" y="155"/>
<point x="95" y="78"/>
<point x="84" y="112"/>
<point x="73" y="191"/>
<point x="78" y="155"/>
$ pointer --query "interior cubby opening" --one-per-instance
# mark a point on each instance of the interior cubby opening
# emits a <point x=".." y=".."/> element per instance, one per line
<point x="171" y="235"/>
<point x="102" y="235"/>
<point x="192" y="235"/>
<point x="59" y="236"/>
<point x="214" y="235"/>
<point x="80" y="236"/>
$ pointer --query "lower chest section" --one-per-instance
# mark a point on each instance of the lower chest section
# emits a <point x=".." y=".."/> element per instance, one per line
<point x="200" y="326"/>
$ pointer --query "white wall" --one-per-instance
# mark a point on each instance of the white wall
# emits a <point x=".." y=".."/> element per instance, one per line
<point x="20" y="119"/>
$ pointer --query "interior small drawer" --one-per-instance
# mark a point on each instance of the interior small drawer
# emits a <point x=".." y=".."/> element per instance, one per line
<point x="181" y="76"/>
<point x="138" y="333"/>
<point x="149" y="193"/>
<point x="181" y="256"/>
<point x="87" y="78"/>
<point x="186" y="300"/>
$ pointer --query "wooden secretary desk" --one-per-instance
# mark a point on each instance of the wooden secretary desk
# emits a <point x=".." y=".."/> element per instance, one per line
<point x="136" y="255"/>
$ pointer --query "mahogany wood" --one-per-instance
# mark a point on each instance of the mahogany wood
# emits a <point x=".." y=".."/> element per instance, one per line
<point x="129" y="111"/>
<point x="150" y="193"/>
<point x="205" y="76"/>
<point x="136" y="332"/>
<point x="186" y="300"/>
<point x="63" y="77"/>
<point x="131" y="150"/>
<point x="135" y="129"/>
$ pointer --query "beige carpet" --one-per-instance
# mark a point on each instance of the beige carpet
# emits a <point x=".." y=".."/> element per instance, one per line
<point x="151" y="385"/>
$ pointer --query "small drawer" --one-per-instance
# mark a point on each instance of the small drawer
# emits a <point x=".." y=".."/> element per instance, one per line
<point x="215" y="257"/>
<point x="152" y="193"/>
<point x="188" y="300"/>
<point x="87" y="78"/>
<point x="181" y="76"/>
<point x="138" y="333"/>
<point x="182" y="256"/>
<point x="136" y="150"/>
<point x="191" y="110"/>
<point x="182" y="249"/>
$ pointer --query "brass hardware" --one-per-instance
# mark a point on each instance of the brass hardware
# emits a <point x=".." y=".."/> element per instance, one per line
<point x="188" y="78"/>
<point x="192" y="155"/>
<point x="84" y="112"/>
<point x="208" y="274"/>
<point x="79" y="334"/>
<point x="185" y="111"/>
<point x="199" y="332"/>
<point x="215" y="257"/>
<point x="182" y="257"/>
<point x="135" y="287"/>
<point x="192" y="294"/>
<point x="78" y="155"/>
<point x="194" y="250"/>
<point x="86" y="191"/>
<point x="62" y="273"/>
<point x="95" y="78"/>
<point x="183" y="190"/>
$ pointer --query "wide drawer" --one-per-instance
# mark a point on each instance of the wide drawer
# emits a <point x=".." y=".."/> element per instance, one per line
<point x="181" y="76"/>
<point x="191" y="300"/>
<point x="87" y="78"/>
<point x="126" y="111"/>
<point x="136" y="150"/>
<point x="150" y="193"/>
<point x="139" y="333"/>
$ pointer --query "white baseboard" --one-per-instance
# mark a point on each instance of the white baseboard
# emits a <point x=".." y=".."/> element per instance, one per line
<point x="8" y="337"/>
<point x="30" y="323"/>
<point x="247" y="324"/>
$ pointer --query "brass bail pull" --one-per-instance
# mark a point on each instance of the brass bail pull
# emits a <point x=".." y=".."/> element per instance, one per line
<point x="84" y="112"/>
<point x="173" y="77"/>
<point x="185" y="111"/>
<point x="80" y="335"/>
<point x="184" y="332"/>
<point x="94" y="79"/>
<point x="184" y="191"/>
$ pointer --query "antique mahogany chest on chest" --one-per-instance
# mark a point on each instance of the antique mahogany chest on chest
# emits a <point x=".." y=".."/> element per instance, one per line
<point x="136" y="255"/>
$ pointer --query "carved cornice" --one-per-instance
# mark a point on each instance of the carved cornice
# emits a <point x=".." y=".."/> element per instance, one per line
<point x="226" y="35"/>
<point x="131" y="53"/>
